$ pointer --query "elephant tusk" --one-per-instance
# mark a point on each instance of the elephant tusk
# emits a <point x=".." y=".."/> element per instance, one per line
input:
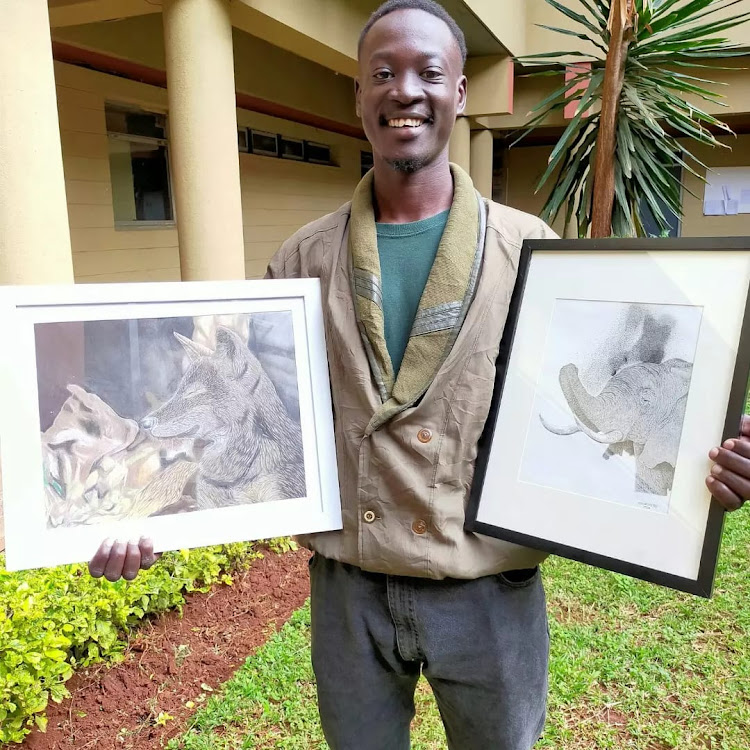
<point x="559" y="430"/>
<point x="600" y="437"/>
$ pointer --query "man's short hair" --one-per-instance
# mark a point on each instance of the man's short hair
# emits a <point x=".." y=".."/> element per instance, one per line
<point x="428" y="6"/>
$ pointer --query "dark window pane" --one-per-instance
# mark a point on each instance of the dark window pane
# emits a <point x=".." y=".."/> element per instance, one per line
<point x="650" y="225"/>
<point x="264" y="143"/>
<point x="318" y="153"/>
<point x="140" y="181"/>
<point x="131" y="122"/>
<point x="291" y="149"/>
<point x="365" y="162"/>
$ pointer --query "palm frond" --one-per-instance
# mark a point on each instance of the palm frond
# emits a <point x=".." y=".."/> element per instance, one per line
<point x="671" y="47"/>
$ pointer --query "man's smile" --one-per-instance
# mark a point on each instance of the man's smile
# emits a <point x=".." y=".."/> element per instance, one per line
<point x="413" y="122"/>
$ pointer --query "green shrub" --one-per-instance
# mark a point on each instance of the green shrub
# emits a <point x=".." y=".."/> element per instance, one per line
<point x="57" y="620"/>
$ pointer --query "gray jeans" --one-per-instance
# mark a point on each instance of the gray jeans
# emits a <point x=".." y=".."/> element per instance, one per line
<point x="482" y="645"/>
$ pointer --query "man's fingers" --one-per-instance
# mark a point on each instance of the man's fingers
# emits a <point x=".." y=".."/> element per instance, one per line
<point x="729" y="499"/>
<point x="736" y="482"/>
<point x="132" y="562"/>
<point x="116" y="561"/>
<point x="99" y="560"/>
<point x="738" y="445"/>
<point x="148" y="556"/>
<point x="736" y="459"/>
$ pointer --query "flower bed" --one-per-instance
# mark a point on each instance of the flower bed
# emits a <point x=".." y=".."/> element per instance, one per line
<point x="57" y="620"/>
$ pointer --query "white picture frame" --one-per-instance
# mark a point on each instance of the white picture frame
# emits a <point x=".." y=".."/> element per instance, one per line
<point x="134" y="410"/>
<point x="593" y="325"/>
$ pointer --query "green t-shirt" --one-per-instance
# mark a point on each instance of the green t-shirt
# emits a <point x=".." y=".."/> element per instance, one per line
<point x="407" y="252"/>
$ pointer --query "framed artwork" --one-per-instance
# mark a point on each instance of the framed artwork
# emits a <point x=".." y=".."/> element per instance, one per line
<point x="623" y="362"/>
<point x="193" y="413"/>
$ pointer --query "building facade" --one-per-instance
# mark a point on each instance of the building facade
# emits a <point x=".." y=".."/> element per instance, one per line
<point x="159" y="140"/>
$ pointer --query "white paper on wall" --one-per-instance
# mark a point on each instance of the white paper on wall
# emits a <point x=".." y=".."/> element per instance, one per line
<point x="727" y="191"/>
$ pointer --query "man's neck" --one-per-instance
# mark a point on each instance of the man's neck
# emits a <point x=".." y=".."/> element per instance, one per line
<point x="400" y="198"/>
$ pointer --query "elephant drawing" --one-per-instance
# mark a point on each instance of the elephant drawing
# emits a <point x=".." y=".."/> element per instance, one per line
<point x="640" y="410"/>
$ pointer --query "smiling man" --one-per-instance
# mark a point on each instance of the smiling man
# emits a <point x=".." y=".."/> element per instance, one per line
<point x="417" y="273"/>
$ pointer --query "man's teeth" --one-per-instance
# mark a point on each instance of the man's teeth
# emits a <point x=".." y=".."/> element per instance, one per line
<point x="405" y="123"/>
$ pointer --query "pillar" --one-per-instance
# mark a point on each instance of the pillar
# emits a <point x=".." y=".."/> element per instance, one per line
<point x="203" y="138"/>
<point x="459" y="149"/>
<point x="34" y="231"/>
<point x="482" y="145"/>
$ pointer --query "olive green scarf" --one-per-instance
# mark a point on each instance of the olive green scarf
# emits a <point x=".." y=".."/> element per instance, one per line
<point x="446" y="298"/>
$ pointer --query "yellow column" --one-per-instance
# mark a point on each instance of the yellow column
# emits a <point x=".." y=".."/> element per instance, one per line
<point x="482" y="145"/>
<point x="203" y="138"/>
<point x="459" y="148"/>
<point x="34" y="232"/>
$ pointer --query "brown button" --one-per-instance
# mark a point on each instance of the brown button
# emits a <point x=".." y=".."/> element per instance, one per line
<point x="419" y="527"/>
<point x="369" y="516"/>
<point x="424" y="435"/>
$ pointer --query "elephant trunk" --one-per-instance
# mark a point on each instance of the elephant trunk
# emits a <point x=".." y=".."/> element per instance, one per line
<point x="590" y="411"/>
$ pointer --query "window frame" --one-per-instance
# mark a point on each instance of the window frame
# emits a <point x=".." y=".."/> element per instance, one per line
<point x="129" y="224"/>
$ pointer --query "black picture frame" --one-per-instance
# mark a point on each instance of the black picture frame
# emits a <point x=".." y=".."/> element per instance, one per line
<point x="703" y="584"/>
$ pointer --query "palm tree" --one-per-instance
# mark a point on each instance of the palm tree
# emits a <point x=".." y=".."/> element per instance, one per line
<point x="621" y="147"/>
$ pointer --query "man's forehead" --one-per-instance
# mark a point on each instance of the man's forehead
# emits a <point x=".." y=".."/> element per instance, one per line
<point x="412" y="29"/>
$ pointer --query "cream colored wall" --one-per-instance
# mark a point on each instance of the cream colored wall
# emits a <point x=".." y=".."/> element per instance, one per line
<point x="525" y="165"/>
<point x="260" y="68"/>
<point x="541" y="40"/>
<point x="508" y="20"/>
<point x="278" y="196"/>
<point x="101" y="252"/>
<point x="694" y="223"/>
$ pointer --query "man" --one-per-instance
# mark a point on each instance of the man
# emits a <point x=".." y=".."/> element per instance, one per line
<point x="416" y="275"/>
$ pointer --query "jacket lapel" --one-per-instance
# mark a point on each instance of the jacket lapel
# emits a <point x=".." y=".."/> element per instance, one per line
<point x="446" y="298"/>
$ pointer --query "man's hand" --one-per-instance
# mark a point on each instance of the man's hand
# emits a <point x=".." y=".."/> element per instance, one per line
<point x="117" y="559"/>
<point x="729" y="480"/>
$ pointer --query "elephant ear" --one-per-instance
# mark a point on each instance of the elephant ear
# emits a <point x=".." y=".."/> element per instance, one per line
<point x="664" y="442"/>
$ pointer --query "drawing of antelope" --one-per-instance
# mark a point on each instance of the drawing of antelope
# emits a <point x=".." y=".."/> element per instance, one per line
<point x="247" y="447"/>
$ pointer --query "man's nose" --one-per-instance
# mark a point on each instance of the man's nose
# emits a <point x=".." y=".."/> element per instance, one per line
<point x="407" y="88"/>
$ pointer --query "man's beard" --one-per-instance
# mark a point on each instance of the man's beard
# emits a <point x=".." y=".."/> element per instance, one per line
<point x="407" y="166"/>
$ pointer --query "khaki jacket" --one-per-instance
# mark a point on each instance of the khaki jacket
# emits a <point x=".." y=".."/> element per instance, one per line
<point x="404" y="488"/>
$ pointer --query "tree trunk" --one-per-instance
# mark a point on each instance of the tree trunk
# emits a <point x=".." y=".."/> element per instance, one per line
<point x="603" y="197"/>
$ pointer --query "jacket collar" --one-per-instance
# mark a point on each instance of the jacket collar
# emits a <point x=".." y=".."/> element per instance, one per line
<point x="446" y="298"/>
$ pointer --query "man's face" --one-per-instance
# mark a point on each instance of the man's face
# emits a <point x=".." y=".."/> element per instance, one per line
<point x="410" y="88"/>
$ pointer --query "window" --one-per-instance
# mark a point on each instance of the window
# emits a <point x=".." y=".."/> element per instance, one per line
<point x="650" y="225"/>
<point x="242" y="140"/>
<point x="365" y="162"/>
<point x="317" y="153"/>
<point x="291" y="148"/>
<point x="264" y="143"/>
<point x="139" y="166"/>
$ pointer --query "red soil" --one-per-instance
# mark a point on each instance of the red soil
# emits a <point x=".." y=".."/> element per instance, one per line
<point x="172" y="660"/>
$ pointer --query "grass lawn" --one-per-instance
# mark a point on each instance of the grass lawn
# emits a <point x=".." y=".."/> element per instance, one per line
<point x="633" y="665"/>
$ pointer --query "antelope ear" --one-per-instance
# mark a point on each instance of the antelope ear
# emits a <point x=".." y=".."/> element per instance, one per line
<point x="229" y="344"/>
<point x="664" y="444"/>
<point x="194" y="350"/>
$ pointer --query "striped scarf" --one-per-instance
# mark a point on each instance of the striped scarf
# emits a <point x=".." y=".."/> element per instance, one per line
<point x="446" y="298"/>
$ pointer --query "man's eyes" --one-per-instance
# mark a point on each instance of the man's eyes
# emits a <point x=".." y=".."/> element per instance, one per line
<point x="429" y="75"/>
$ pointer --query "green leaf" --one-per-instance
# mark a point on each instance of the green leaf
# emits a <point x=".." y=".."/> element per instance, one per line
<point x="672" y="37"/>
<point x="41" y="722"/>
<point x="573" y="16"/>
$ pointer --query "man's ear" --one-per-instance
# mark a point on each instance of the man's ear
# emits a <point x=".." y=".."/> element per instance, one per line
<point x="462" y="84"/>
<point x="357" y="95"/>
